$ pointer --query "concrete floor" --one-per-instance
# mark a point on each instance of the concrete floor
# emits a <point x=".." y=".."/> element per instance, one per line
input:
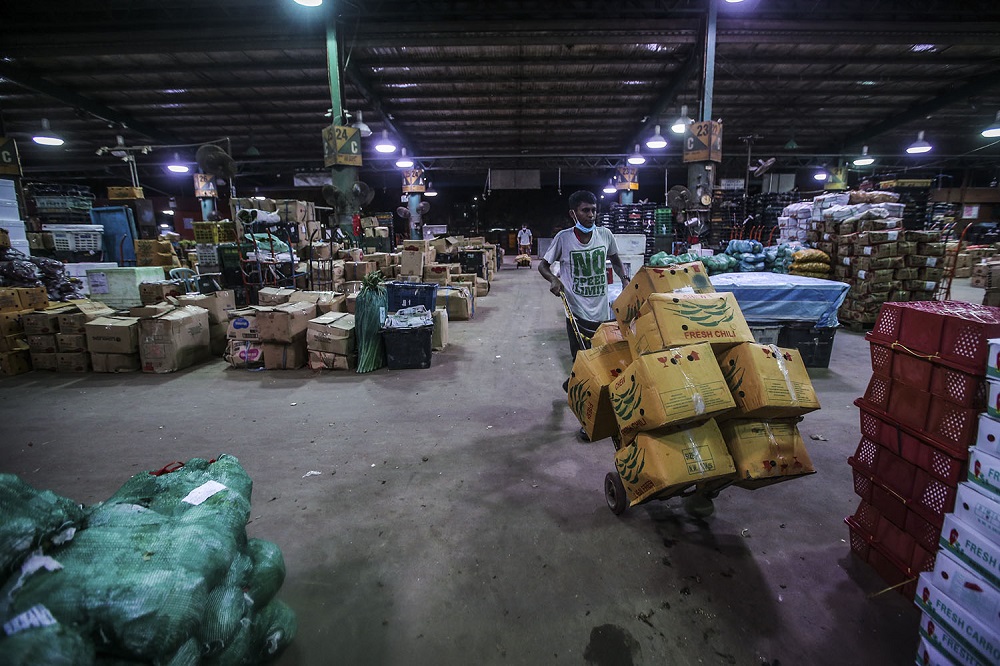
<point x="457" y="520"/>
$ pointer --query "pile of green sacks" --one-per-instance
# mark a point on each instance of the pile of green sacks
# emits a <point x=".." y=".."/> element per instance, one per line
<point x="741" y="256"/>
<point x="162" y="572"/>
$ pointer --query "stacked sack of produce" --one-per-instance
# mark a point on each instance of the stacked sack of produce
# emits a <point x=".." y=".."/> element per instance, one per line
<point x="810" y="263"/>
<point x="778" y="258"/>
<point x="162" y="572"/>
<point x="661" y="259"/>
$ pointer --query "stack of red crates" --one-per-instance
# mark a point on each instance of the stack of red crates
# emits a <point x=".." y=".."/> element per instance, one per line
<point x="918" y="418"/>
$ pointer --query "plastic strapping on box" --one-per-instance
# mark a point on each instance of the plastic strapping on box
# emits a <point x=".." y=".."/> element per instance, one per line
<point x="784" y="373"/>
<point x="695" y="451"/>
<point x="696" y="398"/>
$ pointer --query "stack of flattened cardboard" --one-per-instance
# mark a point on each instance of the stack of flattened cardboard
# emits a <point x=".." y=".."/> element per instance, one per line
<point x="331" y="343"/>
<point x="687" y="395"/>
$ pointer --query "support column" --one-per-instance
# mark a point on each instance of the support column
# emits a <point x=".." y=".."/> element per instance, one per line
<point x="343" y="177"/>
<point x="413" y="204"/>
<point x="625" y="197"/>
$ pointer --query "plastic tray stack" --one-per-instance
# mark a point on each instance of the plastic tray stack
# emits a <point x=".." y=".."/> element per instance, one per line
<point x="919" y="415"/>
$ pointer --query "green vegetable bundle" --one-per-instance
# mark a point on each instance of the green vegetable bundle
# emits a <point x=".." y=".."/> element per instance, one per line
<point x="370" y="312"/>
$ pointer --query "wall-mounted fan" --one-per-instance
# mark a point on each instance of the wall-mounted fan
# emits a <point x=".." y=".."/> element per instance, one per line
<point x="763" y="166"/>
<point x="215" y="161"/>
<point x="680" y="198"/>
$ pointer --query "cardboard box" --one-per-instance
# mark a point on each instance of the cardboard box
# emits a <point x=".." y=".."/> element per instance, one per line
<point x="113" y="335"/>
<point x="689" y="278"/>
<point x="279" y="356"/>
<point x="979" y="509"/>
<point x="76" y="321"/>
<point x="984" y="470"/>
<point x="767" y="382"/>
<point x="274" y="295"/>
<point x="156" y="292"/>
<point x="42" y="323"/>
<point x="15" y="363"/>
<point x="988" y="435"/>
<point x="351" y="302"/>
<point x="33" y="298"/>
<point x="993" y="360"/>
<point x="154" y="253"/>
<point x="940" y="646"/>
<point x="41" y="241"/>
<point x="326" y="301"/>
<point x="76" y="362"/>
<point x="439" y="338"/>
<point x="245" y="354"/>
<point x="12" y="323"/>
<point x="993" y="399"/>
<point x="125" y="192"/>
<point x="218" y="304"/>
<point x="437" y="273"/>
<point x="963" y="601"/>
<point x="243" y="324"/>
<point x="673" y="320"/>
<point x="380" y="259"/>
<point x="13" y="343"/>
<point x="291" y="210"/>
<point x="354" y="271"/>
<point x="42" y="344"/>
<point x="114" y="363"/>
<point x="319" y="360"/>
<point x="332" y="333"/>
<point x="174" y="340"/>
<point x="766" y="452"/>
<point x="588" y="396"/>
<point x="10" y="300"/>
<point x="658" y="463"/>
<point x="412" y="263"/>
<point x="458" y="301"/>
<point x="285" y="323"/>
<point x="69" y="343"/>
<point x="607" y="333"/>
<point x="669" y="389"/>
<point x="44" y="361"/>
<point x="154" y="310"/>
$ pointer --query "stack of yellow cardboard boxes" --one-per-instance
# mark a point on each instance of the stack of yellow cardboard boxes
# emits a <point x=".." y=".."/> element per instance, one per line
<point x="15" y="304"/>
<point x="688" y="396"/>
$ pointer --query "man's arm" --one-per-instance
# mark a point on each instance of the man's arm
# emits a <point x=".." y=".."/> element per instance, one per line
<point x="619" y="268"/>
<point x="555" y="284"/>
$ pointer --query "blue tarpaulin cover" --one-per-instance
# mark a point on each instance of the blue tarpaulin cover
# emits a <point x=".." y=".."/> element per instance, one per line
<point x="767" y="297"/>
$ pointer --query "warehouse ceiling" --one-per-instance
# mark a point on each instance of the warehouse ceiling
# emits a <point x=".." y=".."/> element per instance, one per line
<point x="468" y="86"/>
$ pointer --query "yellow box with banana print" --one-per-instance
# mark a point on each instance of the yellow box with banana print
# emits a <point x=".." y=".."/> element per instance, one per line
<point x="767" y="382"/>
<point x="663" y="464"/>
<point x="691" y="278"/>
<point x="766" y="452"/>
<point x="672" y="320"/>
<point x="587" y="392"/>
<point x="669" y="388"/>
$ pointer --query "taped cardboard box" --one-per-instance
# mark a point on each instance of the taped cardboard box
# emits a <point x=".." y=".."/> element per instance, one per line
<point x="174" y="340"/>
<point x="114" y="363"/>
<point x="691" y="278"/>
<point x="482" y="287"/>
<point x="766" y="452"/>
<point x="44" y="361"/>
<point x="669" y="389"/>
<point x="150" y="310"/>
<point x="355" y="271"/>
<point x="32" y="298"/>
<point x="243" y="324"/>
<point x="13" y="343"/>
<point x="113" y="335"/>
<point x="69" y="343"/>
<point x="84" y="311"/>
<point x="15" y="363"/>
<point x="285" y="323"/>
<point x="278" y="356"/>
<point x="42" y="344"/>
<point x="319" y="360"/>
<point x="672" y="320"/>
<point x="326" y="301"/>
<point x="412" y="263"/>
<point x="218" y="304"/>
<point x="244" y="354"/>
<point x="437" y="273"/>
<point x="274" y="295"/>
<point x="10" y="301"/>
<point x="663" y="463"/>
<point x="42" y="323"/>
<point x="154" y="253"/>
<point x="458" y="301"/>
<point x="332" y="333"/>
<point x="767" y="382"/>
<point x="439" y="338"/>
<point x="156" y="292"/>
<point x="588" y="396"/>
<point x="76" y="362"/>
<point x="380" y="259"/>
<point x="12" y="323"/>
<point x="607" y="333"/>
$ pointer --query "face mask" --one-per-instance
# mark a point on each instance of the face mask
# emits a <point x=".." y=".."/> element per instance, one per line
<point x="582" y="229"/>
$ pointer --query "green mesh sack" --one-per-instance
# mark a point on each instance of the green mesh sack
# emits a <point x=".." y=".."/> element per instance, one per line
<point x="227" y="606"/>
<point x="55" y="645"/>
<point x="31" y="519"/>
<point x="268" y="571"/>
<point x="274" y="627"/>
<point x="189" y="654"/>
<point x="239" y="652"/>
<point x="240" y="570"/>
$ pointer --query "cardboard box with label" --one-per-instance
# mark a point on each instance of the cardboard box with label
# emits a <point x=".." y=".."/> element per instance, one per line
<point x="42" y="344"/>
<point x="984" y="470"/>
<point x="245" y="354"/>
<point x="274" y="295"/>
<point x="44" y="361"/>
<point x="15" y="363"/>
<point x="607" y="333"/>
<point x="278" y="356"/>
<point x="332" y="333"/>
<point x="12" y="323"/>
<point x="243" y="324"/>
<point x="668" y="389"/>
<point x="766" y="452"/>
<point x="113" y="363"/>
<point x="69" y="343"/>
<point x="10" y="300"/>
<point x="75" y="321"/>
<point x="980" y="509"/>
<point x="672" y="320"/>
<point x="439" y="338"/>
<point x="42" y="323"/>
<point x="589" y="398"/>
<point x="326" y="301"/>
<point x="174" y="340"/>
<point x="75" y="362"/>
<point x="664" y="463"/>
<point x="218" y="304"/>
<point x="319" y="360"/>
<point x="767" y="382"/>
<point x="285" y="323"/>
<point x="438" y="274"/>
<point x="113" y="335"/>
<point x="458" y="301"/>
<point x="32" y="298"/>
<point x="691" y="278"/>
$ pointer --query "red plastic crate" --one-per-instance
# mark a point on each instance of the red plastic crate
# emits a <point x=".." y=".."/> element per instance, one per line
<point x="967" y="329"/>
<point x="882" y="358"/>
<point x="947" y="469"/>
<point x="877" y="429"/>
<point x="907" y="405"/>
<point x="908" y="489"/>
<point x="878" y="390"/>
<point x="895" y="555"/>
<point x="953" y="426"/>
<point x="962" y="388"/>
<point x="912" y="371"/>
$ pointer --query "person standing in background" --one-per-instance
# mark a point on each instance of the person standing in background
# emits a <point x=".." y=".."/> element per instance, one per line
<point x="524" y="240"/>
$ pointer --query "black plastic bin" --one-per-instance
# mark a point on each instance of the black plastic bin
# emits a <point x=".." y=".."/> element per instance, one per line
<point x="473" y="261"/>
<point x="401" y="295"/>
<point x="815" y="344"/>
<point x="408" y="348"/>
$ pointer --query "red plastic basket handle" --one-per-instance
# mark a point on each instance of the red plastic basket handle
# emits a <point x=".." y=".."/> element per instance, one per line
<point x="168" y="468"/>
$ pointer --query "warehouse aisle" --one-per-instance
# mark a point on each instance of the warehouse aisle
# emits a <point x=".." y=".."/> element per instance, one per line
<point x="456" y="519"/>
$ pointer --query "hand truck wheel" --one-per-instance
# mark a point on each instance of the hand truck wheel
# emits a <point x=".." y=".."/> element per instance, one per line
<point x="614" y="493"/>
<point x="699" y="505"/>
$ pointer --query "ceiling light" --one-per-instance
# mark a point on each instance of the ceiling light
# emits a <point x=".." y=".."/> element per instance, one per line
<point x="609" y="188"/>
<point x="681" y="124"/>
<point x="993" y="130"/>
<point x="657" y="140"/>
<point x="733" y="2"/>
<point x="923" y="48"/>
<point x="309" y="3"/>
<point x="362" y="127"/>
<point x="384" y="145"/>
<point x="177" y="166"/>
<point x="919" y="146"/>
<point x="791" y="145"/>
<point x="636" y="158"/>
<point x="167" y="211"/>
<point x="252" y="151"/>
<point x="430" y="191"/>
<point x="821" y="175"/>
<point x="404" y="162"/>
<point x="47" y="137"/>
<point x="864" y="160"/>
